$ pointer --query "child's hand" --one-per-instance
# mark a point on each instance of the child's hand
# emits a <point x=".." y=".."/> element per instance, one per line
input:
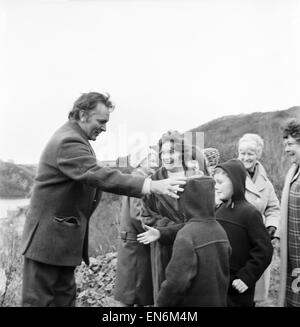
<point x="151" y="235"/>
<point x="239" y="285"/>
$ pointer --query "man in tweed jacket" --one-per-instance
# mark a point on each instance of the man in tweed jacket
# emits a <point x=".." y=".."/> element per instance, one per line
<point x="67" y="189"/>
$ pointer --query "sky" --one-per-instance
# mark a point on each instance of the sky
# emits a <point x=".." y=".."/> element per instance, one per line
<point x="168" y="64"/>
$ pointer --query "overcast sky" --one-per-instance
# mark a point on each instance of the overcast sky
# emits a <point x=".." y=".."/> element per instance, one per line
<point x="167" y="65"/>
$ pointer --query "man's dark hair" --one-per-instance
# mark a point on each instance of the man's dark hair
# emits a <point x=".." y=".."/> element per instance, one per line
<point x="292" y="128"/>
<point x="88" y="102"/>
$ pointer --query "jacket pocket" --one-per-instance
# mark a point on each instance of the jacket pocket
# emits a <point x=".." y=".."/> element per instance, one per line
<point x="70" y="221"/>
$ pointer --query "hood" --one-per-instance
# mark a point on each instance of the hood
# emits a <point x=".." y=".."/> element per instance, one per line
<point x="237" y="174"/>
<point x="198" y="199"/>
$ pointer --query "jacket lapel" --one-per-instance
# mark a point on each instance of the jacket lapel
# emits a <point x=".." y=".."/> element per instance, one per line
<point x="296" y="174"/>
<point x="251" y="187"/>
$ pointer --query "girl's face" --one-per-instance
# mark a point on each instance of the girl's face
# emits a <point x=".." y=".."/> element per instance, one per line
<point x="247" y="155"/>
<point x="292" y="149"/>
<point x="171" y="160"/>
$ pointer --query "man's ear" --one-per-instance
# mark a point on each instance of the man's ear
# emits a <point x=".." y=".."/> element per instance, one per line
<point x="82" y="116"/>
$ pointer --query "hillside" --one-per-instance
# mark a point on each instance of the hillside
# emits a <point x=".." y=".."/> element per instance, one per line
<point x="95" y="283"/>
<point x="223" y="133"/>
<point x="16" y="180"/>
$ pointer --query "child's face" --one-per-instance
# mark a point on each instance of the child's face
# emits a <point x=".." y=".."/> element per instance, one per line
<point x="224" y="187"/>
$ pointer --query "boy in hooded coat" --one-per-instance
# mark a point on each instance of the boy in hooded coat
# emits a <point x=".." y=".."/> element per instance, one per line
<point x="251" y="246"/>
<point x="198" y="272"/>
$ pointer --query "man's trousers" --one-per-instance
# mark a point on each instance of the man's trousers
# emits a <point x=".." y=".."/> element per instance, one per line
<point x="47" y="285"/>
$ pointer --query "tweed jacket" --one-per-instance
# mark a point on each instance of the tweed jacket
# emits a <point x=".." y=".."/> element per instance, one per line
<point x="283" y="233"/>
<point x="67" y="189"/>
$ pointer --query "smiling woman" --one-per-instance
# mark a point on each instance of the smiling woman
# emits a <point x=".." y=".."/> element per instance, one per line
<point x="290" y="223"/>
<point x="259" y="192"/>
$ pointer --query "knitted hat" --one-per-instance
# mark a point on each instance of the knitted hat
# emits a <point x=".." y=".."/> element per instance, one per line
<point x="212" y="156"/>
<point x="139" y="155"/>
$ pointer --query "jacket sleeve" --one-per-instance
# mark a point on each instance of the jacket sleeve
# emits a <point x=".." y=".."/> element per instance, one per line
<point x="180" y="271"/>
<point x="168" y="229"/>
<point x="260" y="254"/>
<point x="149" y="215"/>
<point x="169" y="232"/>
<point x="272" y="212"/>
<point x="75" y="160"/>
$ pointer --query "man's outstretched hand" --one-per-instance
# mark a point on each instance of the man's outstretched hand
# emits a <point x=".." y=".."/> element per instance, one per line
<point x="169" y="186"/>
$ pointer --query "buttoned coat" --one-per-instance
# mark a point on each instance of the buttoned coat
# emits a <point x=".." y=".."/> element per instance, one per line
<point x="67" y="189"/>
<point x="133" y="283"/>
<point x="262" y="195"/>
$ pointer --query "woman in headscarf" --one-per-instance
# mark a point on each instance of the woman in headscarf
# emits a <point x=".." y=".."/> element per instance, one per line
<point x="212" y="159"/>
<point x="259" y="192"/>
<point x="162" y="216"/>
<point x="289" y="280"/>
<point x="133" y="284"/>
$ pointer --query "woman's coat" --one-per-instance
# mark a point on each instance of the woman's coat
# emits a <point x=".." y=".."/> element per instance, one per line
<point x="283" y="233"/>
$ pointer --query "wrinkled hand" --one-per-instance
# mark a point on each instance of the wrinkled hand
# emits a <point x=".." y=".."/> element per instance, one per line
<point x="168" y="186"/>
<point x="271" y="230"/>
<point x="151" y="235"/>
<point x="239" y="285"/>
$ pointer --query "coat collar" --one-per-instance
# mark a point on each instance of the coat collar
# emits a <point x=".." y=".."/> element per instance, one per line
<point x="79" y="130"/>
<point x="260" y="181"/>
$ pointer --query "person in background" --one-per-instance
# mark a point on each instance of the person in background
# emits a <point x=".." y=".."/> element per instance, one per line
<point x="67" y="189"/>
<point x="133" y="285"/>
<point x="212" y="159"/>
<point x="259" y="192"/>
<point x="250" y="242"/>
<point x="198" y="272"/>
<point x="289" y="230"/>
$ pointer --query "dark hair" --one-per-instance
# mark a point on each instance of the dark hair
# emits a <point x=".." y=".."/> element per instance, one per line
<point x="291" y="128"/>
<point x="187" y="150"/>
<point x="176" y="139"/>
<point x="88" y="102"/>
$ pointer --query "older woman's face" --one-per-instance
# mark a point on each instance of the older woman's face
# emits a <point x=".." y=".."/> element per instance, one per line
<point x="170" y="158"/>
<point x="292" y="149"/>
<point x="248" y="155"/>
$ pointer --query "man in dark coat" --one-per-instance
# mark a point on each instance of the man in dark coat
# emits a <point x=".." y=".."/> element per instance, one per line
<point x="198" y="272"/>
<point x="67" y="189"/>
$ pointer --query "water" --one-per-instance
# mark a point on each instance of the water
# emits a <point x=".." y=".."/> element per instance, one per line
<point x="11" y="204"/>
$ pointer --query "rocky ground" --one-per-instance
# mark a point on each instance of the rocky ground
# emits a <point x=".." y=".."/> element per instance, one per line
<point x="96" y="282"/>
